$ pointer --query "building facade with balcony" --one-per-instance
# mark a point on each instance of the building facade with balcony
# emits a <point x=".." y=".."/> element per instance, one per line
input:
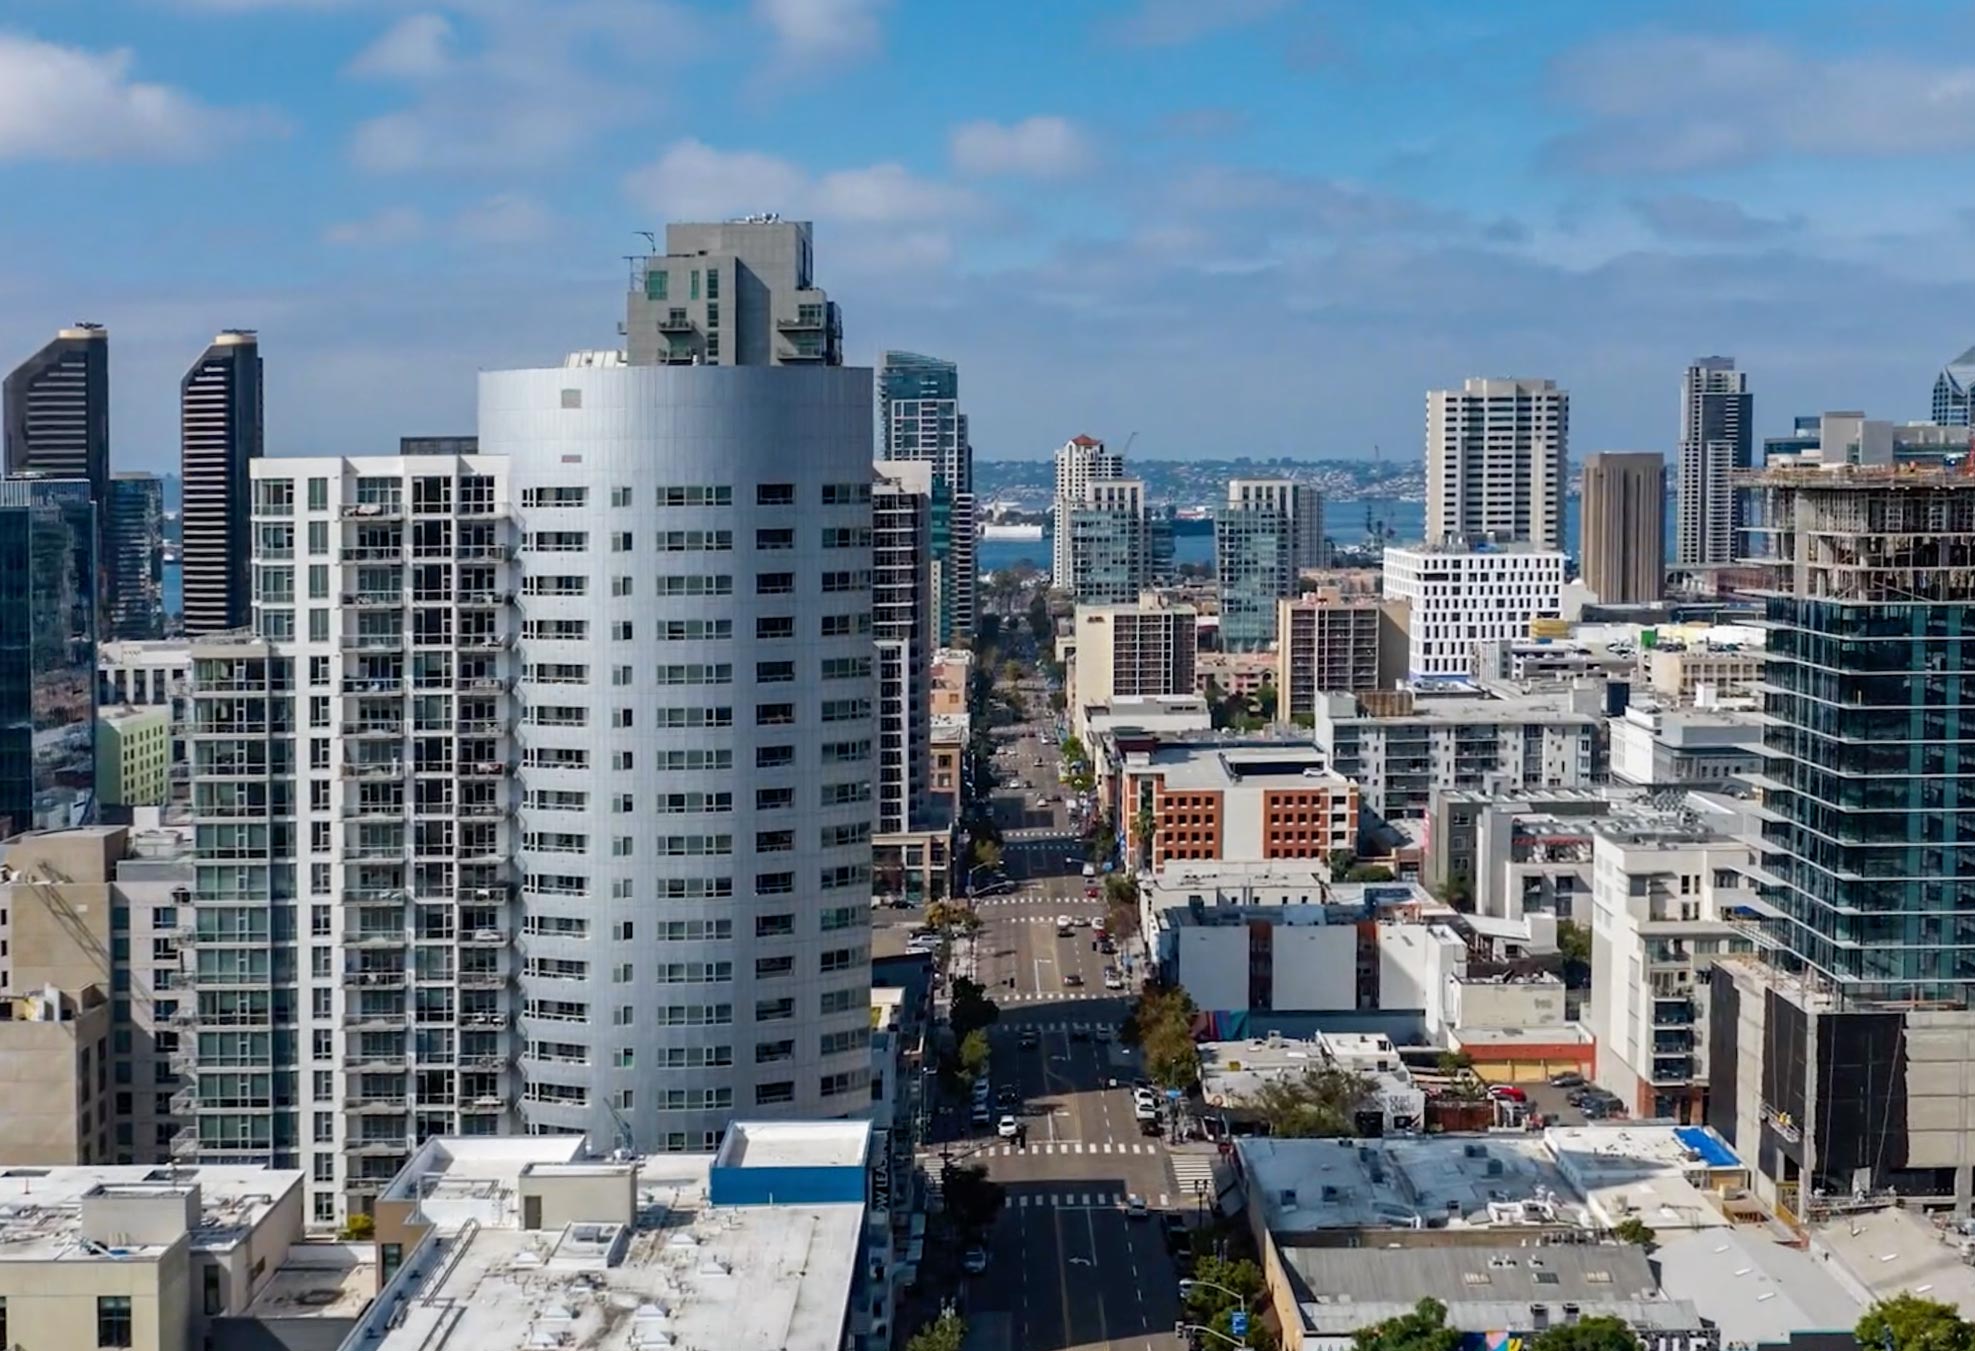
<point x="732" y="293"/>
<point x="352" y="958"/>
<point x="1663" y="900"/>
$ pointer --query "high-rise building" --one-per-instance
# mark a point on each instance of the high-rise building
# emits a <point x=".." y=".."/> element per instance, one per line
<point x="1717" y="428"/>
<point x="58" y="409"/>
<point x="1267" y="533"/>
<point x="901" y="614"/>
<point x="1623" y="526"/>
<point x="55" y="423"/>
<point x="1141" y="650"/>
<point x="220" y="436"/>
<point x="735" y="293"/>
<point x="698" y="749"/>
<point x="1331" y="645"/>
<point x="1954" y="392"/>
<point x="1495" y="469"/>
<point x="919" y="418"/>
<point x="1109" y="555"/>
<point x="134" y="537"/>
<point x="1852" y="1040"/>
<point x="47" y="654"/>
<point x="352" y="795"/>
<point x="1080" y="460"/>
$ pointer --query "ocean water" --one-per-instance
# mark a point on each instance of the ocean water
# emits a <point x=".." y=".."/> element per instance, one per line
<point x="1344" y="522"/>
<point x="174" y="587"/>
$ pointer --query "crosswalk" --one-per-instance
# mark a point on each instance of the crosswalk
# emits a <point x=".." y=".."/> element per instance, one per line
<point x="1190" y="1171"/>
<point x="1029" y="898"/>
<point x="1051" y="996"/>
<point x="1066" y="1147"/>
<point x="1047" y="1028"/>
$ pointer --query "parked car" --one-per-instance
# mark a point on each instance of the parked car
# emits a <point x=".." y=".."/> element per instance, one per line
<point x="1007" y="1128"/>
<point x="1568" y="1079"/>
<point x="975" y="1261"/>
<point x="1073" y="981"/>
<point x="1507" y="1093"/>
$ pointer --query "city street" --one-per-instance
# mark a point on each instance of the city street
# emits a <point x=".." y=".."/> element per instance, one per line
<point x="1068" y="1263"/>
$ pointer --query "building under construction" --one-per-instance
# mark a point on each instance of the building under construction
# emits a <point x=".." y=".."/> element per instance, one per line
<point x="1843" y="1055"/>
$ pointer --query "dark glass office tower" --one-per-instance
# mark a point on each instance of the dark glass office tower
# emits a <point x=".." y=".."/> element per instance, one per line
<point x="47" y="654"/>
<point x="133" y="532"/>
<point x="1867" y="855"/>
<point x="58" y="410"/>
<point x="219" y="434"/>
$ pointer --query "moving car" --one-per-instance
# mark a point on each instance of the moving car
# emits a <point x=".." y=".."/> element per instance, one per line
<point x="1029" y="1039"/>
<point x="1135" y="1207"/>
<point x="1065" y="926"/>
<point x="981" y="1115"/>
<point x="1006" y="1096"/>
<point x="975" y="1261"/>
<point x="1073" y="981"/>
<point x="1006" y="1128"/>
<point x="1507" y="1093"/>
<point x="1090" y="870"/>
<point x="1078" y="1032"/>
<point x="1103" y="1034"/>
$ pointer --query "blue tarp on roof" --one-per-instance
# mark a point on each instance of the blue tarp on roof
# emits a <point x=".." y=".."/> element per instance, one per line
<point x="1714" y="1151"/>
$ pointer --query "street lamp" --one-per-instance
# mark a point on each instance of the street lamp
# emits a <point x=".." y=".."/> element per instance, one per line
<point x="1181" y="1328"/>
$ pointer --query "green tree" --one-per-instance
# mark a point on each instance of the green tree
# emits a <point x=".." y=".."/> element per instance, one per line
<point x="948" y="1332"/>
<point x="1424" y="1329"/>
<point x="974" y="1052"/>
<point x="1912" y="1323"/>
<point x="1265" y="703"/>
<point x="1319" y="1103"/>
<point x="1073" y="750"/>
<point x="987" y="855"/>
<point x="1120" y="906"/>
<point x="358" y="1228"/>
<point x="971" y="1008"/>
<point x="971" y="1200"/>
<point x="1204" y="1303"/>
<point x="1458" y="891"/>
<point x="1599" y="1332"/>
<point x="1145" y="827"/>
<point x="1341" y="861"/>
<point x="953" y="917"/>
<point x="1632" y="1229"/>
<point x="1573" y="941"/>
<point x="1368" y="872"/>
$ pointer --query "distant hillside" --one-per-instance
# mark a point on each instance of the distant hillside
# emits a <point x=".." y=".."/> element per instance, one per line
<point x="1199" y="483"/>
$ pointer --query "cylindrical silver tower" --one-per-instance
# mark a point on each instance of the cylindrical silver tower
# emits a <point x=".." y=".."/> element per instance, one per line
<point x="695" y="732"/>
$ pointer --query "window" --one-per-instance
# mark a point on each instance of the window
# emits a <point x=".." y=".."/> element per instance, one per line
<point x="113" y="1321"/>
<point x="765" y="1011"/>
<point x="774" y="583"/>
<point x="694" y="630"/>
<point x="774" y="626"/>
<point x="773" y="757"/>
<point x="773" y="799"/>
<point x="774" y="884"/>
<point x="775" y="495"/>
<point x="696" y="495"/>
<point x="773" y="672"/>
<point x="560" y="497"/>
<point x="620" y="497"/>
<point x="767" y="968"/>
<point x="846" y="537"/>
<point x="774" y="926"/>
<point x="773" y="841"/>
<point x="695" y="584"/>
<point x="768" y="1094"/>
<point x="767" y="541"/>
<point x="695" y="541"/>
<point x="846" y="494"/>
<point x="774" y="715"/>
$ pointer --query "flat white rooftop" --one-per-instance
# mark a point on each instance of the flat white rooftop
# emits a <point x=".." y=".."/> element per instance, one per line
<point x="319" y="1280"/>
<point x="687" y="1275"/>
<point x="795" y="1144"/>
<point x="41" y="1208"/>
<point x="1442" y="1181"/>
<point x="1671" y="1177"/>
<point x="1882" y="1253"/>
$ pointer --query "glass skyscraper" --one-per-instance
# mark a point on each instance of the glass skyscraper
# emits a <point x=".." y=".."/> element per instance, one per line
<point x="47" y="654"/>
<point x="919" y="418"/>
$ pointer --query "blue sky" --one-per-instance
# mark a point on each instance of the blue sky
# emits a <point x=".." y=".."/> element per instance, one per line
<point x="1233" y="226"/>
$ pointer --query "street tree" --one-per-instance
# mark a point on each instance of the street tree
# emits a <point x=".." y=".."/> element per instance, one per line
<point x="953" y="917"/>
<point x="948" y="1332"/>
<point x="1368" y="872"/>
<point x="974" y="1052"/>
<point x="1599" y="1332"/>
<point x="971" y="1200"/>
<point x="1120" y="906"/>
<point x="1317" y="1104"/>
<point x="1424" y="1329"/>
<point x="1632" y="1229"/>
<point x="1913" y="1323"/>
<point x="970" y="1008"/>
<point x="987" y="854"/>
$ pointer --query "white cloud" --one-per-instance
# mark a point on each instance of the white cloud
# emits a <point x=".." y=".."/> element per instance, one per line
<point x="1673" y="103"/>
<point x="517" y="84"/>
<point x="505" y="218"/>
<point x="1036" y="147"/>
<point x="812" y="32"/>
<point x="391" y="226"/>
<point x="416" y="46"/>
<point x="1684" y="215"/>
<point x="1174" y="23"/>
<point x="70" y="103"/>
<point x="693" y="180"/>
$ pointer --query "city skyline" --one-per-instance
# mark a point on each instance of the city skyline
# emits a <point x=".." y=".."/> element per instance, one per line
<point x="399" y="159"/>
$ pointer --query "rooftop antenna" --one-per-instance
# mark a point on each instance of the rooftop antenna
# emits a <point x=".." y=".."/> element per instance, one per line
<point x="650" y="238"/>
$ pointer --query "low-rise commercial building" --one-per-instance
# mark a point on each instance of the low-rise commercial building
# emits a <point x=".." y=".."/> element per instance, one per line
<point x="1547" y="660"/>
<point x="1703" y="747"/>
<point x="1663" y="897"/>
<point x="1165" y="715"/>
<point x="946" y="775"/>
<point x="1401" y="747"/>
<point x="947" y="692"/>
<point x="139" y="1257"/>
<point x="1459" y="817"/>
<point x="1721" y="662"/>
<point x="1235" y="803"/>
<point x="149" y="674"/>
<point x="779" y="1239"/>
<point x="1232" y="1072"/>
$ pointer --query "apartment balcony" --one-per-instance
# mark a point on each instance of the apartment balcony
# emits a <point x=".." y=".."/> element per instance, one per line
<point x="386" y="729"/>
<point x="677" y="323"/>
<point x="483" y="769"/>
<point x="482" y="684"/>
<point x="805" y="321"/>
<point x="478" y="510"/>
<point x="483" y="980"/>
<point x="1673" y="1011"/>
<point x="185" y="1101"/>
<point x="482" y="1061"/>
<point x="484" y="642"/>
<point x="484" y="937"/>
<point x="802" y="355"/>
<point x="483" y="1020"/>
<point x="482" y="551"/>
<point x="479" y="727"/>
<point x="353" y="685"/>
<point x="376" y="1020"/>
<point x="374" y="599"/>
<point x="373" y="811"/>
<point x="371" y="1146"/>
<point x="678" y="356"/>
<point x="185" y="1143"/>
<point x="374" y="642"/>
<point x="374" y="770"/>
<point x="394" y="1105"/>
<point x="386" y="851"/>
<point x="374" y="511"/>
<point x="479" y="811"/>
<point x="391" y="979"/>
<point x="394" y="897"/>
<point x="481" y="598"/>
<point x="1676" y="1069"/>
<point x="229" y="980"/>
<point x="359" y="1062"/>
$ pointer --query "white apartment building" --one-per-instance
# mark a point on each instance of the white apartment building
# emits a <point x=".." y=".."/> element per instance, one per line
<point x="696" y="746"/>
<point x="1495" y="466"/>
<point x="1080" y="460"/>
<point x="1459" y="597"/>
<point x="351" y="959"/>
<point x="144" y="674"/>
<point x="1661" y="893"/>
<point x="1401" y="750"/>
<point x="904" y="613"/>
